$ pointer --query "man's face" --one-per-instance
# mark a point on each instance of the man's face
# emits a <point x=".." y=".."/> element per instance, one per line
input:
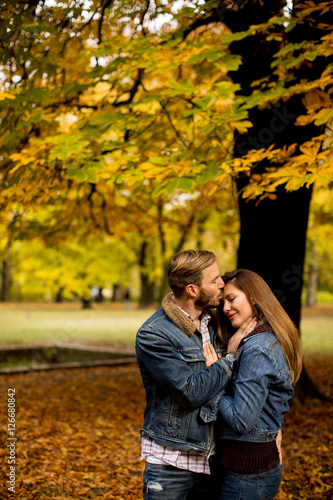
<point x="210" y="291"/>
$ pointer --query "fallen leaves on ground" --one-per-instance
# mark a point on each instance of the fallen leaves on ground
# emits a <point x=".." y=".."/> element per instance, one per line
<point x="78" y="436"/>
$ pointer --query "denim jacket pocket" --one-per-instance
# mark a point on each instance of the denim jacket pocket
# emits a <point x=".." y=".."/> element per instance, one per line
<point x="194" y="357"/>
<point x="191" y="354"/>
<point x="209" y="411"/>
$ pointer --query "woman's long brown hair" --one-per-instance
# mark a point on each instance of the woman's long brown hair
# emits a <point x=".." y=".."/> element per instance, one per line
<point x="266" y="306"/>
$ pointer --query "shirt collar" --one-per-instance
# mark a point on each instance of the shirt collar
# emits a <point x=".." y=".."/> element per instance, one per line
<point x="205" y="316"/>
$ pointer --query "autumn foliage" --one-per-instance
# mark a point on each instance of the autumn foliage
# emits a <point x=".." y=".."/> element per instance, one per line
<point x="78" y="436"/>
<point x="98" y="96"/>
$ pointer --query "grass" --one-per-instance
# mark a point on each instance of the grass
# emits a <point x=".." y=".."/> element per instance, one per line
<point x="22" y="325"/>
<point x="33" y="323"/>
<point x="317" y="330"/>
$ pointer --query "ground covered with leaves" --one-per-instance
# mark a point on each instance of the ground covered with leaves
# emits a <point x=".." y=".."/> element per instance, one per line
<point x="77" y="435"/>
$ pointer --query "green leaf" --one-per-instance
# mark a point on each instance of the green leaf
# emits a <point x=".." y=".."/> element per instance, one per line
<point x="209" y="173"/>
<point x="225" y="89"/>
<point x="81" y="176"/>
<point x="214" y="54"/>
<point x="159" y="190"/>
<point x="186" y="184"/>
<point x="196" y="59"/>
<point x="72" y="173"/>
<point x="172" y="185"/>
<point x="158" y="160"/>
<point x="230" y="62"/>
<point x="208" y="128"/>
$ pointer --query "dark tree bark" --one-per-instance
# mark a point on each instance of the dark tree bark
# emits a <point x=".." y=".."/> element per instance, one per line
<point x="115" y="294"/>
<point x="311" y="294"/>
<point x="164" y="288"/>
<point x="272" y="244"/>
<point x="148" y="288"/>
<point x="99" y="298"/>
<point x="6" y="274"/>
<point x="148" y="292"/>
<point x="86" y="303"/>
<point x="59" y="297"/>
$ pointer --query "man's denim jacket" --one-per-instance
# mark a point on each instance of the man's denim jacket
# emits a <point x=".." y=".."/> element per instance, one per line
<point x="260" y="391"/>
<point x="182" y="393"/>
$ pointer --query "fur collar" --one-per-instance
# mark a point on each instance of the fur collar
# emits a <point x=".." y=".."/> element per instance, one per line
<point x="180" y="320"/>
<point x="177" y="316"/>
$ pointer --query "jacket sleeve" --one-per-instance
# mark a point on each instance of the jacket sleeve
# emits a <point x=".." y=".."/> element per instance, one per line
<point x="256" y="369"/>
<point x="159" y="359"/>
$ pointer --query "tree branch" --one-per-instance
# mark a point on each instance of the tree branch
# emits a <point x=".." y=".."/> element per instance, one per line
<point x="142" y="17"/>
<point x="133" y="91"/>
<point x="106" y="4"/>
<point x="178" y="135"/>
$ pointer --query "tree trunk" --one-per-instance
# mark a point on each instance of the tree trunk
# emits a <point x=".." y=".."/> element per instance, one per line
<point x="115" y="293"/>
<point x="164" y="288"/>
<point x="148" y="291"/>
<point x="272" y="243"/>
<point x="59" y="298"/>
<point x="86" y="303"/>
<point x="311" y="295"/>
<point x="99" y="298"/>
<point x="148" y="288"/>
<point x="6" y="274"/>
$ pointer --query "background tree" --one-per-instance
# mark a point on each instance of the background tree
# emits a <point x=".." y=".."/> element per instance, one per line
<point x="319" y="270"/>
<point x="70" y="271"/>
<point x="279" y="221"/>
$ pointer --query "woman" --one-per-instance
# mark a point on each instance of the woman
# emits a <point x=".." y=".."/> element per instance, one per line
<point x="267" y="366"/>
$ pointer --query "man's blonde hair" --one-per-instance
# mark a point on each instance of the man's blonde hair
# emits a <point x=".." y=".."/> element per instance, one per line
<point x="186" y="268"/>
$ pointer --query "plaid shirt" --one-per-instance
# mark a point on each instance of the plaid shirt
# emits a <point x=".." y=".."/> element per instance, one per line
<point x="156" y="453"/>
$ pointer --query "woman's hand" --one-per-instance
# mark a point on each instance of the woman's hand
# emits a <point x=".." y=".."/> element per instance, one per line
<point x="210" y="354"/>
<point x="237" y="337"/>
<point x="279" y="445"/>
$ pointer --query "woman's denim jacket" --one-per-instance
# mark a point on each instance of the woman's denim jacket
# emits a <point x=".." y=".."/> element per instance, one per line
<point x="182" y="393"/>
<point x="260" y="391"/>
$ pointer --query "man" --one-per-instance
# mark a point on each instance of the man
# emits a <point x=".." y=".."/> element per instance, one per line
<point x="182" y="391"/>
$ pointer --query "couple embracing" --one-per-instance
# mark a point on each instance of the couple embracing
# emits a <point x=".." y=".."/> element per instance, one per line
<point x="218" y="363"/>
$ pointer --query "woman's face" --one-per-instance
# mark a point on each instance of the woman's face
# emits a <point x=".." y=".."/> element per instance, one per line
<point x="236" y="306"/>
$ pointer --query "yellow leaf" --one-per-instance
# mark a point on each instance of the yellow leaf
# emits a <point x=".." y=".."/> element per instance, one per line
<point x="311" y="149"/>
<point x="316" y="98"/>
<point x="241" y="126"/>
<point x="146" y="165"/>
<point x="15" y="168"/>
<point x="6" y="95"/>
<point x="150" y="108"/>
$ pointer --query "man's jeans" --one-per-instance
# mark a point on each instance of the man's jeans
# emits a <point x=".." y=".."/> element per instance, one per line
<point x="238" y="486"/>
<point x="165" y="482"/>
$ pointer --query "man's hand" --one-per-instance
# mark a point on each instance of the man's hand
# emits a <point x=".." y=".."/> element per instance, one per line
<point x="279" y="445"/>
<point x="210" y="354"/>
<point x="237" y="337"/>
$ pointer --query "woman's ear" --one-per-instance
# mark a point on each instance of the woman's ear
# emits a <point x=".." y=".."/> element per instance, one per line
<point x="258" y="312"/>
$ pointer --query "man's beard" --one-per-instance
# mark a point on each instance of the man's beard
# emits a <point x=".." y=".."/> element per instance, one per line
<point x="204" y="301"/>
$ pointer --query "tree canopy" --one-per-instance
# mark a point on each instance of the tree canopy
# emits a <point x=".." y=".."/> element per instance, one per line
<point x="107" y="96"/>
